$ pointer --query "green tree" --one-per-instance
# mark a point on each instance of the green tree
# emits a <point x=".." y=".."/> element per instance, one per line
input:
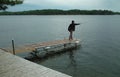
<point x="5" y="3"/>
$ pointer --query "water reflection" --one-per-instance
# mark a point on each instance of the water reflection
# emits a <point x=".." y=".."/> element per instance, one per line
<point x="73" y="63"/>
<point x="72" y="60"/>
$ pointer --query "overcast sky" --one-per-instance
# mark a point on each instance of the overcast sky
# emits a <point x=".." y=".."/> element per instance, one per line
<point x="113" y="5"/>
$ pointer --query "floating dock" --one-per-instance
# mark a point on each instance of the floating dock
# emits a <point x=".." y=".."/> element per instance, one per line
<point x="46" y="48"/>
<point x="14" y="66"/>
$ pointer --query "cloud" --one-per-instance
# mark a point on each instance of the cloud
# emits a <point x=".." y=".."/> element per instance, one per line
<point x="65" y="3"/>
<point x="72" y="4"/>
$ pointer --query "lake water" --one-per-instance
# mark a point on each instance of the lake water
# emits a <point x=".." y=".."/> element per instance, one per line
<point x="98" y="56"/>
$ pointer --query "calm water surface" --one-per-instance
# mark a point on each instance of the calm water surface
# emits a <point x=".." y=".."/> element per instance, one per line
<point x="98" y="56"/>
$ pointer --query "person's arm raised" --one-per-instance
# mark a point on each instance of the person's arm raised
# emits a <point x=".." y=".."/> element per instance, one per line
<point x="77" y="23"/>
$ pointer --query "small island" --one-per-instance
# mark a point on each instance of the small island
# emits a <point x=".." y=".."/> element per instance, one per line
<point x="61" y="12"/>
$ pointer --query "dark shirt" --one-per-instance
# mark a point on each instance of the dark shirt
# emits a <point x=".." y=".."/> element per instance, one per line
<point x="72" y="27"/>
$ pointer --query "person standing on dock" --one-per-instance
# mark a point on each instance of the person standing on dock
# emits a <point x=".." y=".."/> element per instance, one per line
<point x="71" y="28"/>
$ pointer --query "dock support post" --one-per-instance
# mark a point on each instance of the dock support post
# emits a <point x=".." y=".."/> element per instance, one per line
<point x="13" y="47"/>
<point x="64" y="46"/>
<point x="75" y="45"/>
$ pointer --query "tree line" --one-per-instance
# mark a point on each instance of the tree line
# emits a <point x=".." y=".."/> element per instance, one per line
<point x="61" y="12"/>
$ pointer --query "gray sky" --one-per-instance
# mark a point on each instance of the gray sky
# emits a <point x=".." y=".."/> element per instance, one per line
<point x="113" y="5"/>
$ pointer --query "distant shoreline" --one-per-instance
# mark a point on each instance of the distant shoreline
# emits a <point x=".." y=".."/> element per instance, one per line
<point x="61" y="12"/>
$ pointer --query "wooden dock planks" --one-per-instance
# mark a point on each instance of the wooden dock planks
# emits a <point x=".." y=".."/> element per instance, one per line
<point x="31" y="47"/>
